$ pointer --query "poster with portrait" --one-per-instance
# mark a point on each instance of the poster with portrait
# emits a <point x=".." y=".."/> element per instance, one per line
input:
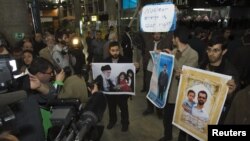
<point x="114" y="78"/>
<point x="200" y="99"/>
<point x="163" y="64"/>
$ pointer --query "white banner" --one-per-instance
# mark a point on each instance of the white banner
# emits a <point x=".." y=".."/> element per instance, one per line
<point x="159" y="17"/>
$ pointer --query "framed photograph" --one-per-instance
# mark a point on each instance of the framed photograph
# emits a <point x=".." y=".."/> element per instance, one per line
<point x="200" y="99"/>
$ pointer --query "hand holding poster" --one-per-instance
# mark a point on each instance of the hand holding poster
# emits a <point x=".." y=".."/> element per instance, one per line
<point x="114" y="78"/>
<point x="200" y="99"/>
<point x="158" y="17"/>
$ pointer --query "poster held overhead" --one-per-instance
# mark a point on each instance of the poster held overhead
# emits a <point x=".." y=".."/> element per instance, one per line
<point x="159" y="17"/>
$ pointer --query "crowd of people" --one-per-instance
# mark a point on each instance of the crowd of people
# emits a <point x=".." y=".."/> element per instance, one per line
<point x="54" y="70"/>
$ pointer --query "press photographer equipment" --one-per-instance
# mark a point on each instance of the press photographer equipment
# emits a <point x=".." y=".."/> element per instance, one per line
<point x="72" y="121"/>
<point x="7" y="69"/>
<point x="7" y="116"/>
<point x="7" y="95"/>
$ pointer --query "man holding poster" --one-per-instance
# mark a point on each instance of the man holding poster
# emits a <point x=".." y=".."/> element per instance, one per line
<point x="116" y="93"/>
<point x="216" y="50"/>
<point x="218" y="90"/>
<point x="184" y="55"/>
<point x="156" y="44"/>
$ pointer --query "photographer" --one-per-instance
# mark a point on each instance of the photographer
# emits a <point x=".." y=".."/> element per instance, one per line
<point x="60" y="53"/>
<point x="75" y="86"/>
<point x="39" y="90"/>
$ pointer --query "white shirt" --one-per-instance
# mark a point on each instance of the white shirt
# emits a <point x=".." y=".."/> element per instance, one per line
<point x="200" y="113"/>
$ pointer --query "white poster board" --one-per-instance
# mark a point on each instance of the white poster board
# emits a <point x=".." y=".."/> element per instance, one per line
<point x="160" y="17"/>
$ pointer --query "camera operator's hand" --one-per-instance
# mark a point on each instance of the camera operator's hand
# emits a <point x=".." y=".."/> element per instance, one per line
<point x="36" y="84"/>
<point x="94" y="89"/>
<point x="60" y="76"/>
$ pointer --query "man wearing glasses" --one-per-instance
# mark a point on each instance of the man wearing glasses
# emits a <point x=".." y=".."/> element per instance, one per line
<point x="40" y="90"/>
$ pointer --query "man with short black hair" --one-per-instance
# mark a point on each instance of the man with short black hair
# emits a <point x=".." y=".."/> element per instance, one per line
<point x="39" y="90"/>
<point x="115" y="100"/>
<point x="216" y="62"/>
<point x="184" y="55"/>
<point x="97" y="47"/>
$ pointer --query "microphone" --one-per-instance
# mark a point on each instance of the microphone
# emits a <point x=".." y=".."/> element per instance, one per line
<point x="87" y="120"/>
<point x="12" y="97"/>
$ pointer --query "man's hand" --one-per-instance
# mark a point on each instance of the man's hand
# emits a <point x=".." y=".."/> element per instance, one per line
<point x="137" y="65"/>
<point x="177" y="73"/>
<point x="167" y="50"/>
<point x="35" y="83"/>
<point x="158" y="51"/>
<point x="60" y="76"/>
<point x="94" y="89"/>
<point x="231" y="85"/>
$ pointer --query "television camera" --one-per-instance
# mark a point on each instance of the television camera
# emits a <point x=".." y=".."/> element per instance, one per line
<point x="10" y="92"/>
<point x="7" y="116"/>
<point x="73" y="122"/>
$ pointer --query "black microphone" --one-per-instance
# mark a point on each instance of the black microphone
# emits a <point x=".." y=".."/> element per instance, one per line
<point x="12" y="97"/>
<point x="87" y="120"/>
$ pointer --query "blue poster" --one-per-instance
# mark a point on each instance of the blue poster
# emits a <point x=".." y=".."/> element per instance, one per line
<point x="161" y="78"/>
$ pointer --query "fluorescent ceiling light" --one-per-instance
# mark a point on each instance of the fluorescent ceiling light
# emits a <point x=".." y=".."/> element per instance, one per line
<point x="202" y="9"/>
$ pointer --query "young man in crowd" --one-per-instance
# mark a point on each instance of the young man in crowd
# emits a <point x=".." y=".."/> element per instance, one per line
<point x="216" y="62"/>
<point x="120" y="100"/>
<point x="184" y="55"/>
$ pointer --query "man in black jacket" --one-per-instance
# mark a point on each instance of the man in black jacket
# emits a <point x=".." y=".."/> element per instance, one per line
<point x="39" y="91"/>
<point x="113" y="100"/>
<point x="216" y="62"/>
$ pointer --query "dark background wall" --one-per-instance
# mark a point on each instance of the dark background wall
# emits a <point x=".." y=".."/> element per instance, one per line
<point x="14" y="18"/>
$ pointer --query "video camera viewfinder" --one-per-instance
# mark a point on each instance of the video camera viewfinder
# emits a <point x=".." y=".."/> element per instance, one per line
<point x="7" y="68"/>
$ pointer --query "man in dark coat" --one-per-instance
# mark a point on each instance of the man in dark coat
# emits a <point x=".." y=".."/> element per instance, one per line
<point x="114" y="100"/>
<point x="216" y="62"/>
<point x="163" y="82"/>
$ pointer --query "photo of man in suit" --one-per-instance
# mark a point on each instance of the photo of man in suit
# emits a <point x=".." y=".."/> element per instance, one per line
<point x="162" y="82"/>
